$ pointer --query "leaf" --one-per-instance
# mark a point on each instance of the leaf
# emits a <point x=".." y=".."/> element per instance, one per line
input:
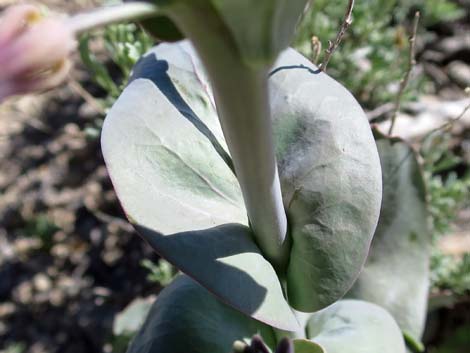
<point x="256" y="30"/>
<point x="165" y="153"/>
<point x="129" y="321"/>
<point x="163" y="146"/>
<point x="330" y="177"/>
<point x="306" y="346"/>
<point x="186" y="318"/>
<point x="263" y="28"/>
<point x="162" y="140"/>
<point x="396" y="275"/>
<point x="162" y="28"/>
<point x="100" y="72"/>
<point x="354" y="326"/>
<point x="226" y="261"/>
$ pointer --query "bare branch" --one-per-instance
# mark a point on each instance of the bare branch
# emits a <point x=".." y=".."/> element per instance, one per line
<point x="380" y="111"/>
<point x="86" y="96"/>
<point x="332" y="46"/>
<point x="447" y="125"/>
<point x="411" y="64"/>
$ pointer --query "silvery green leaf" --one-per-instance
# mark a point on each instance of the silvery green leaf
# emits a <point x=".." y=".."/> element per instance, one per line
<point x="257" y="30"/>
<point x="354" y="326"/>
<point x="330" y="177"/>
<point x="396" y="275"/>
<point x="186" y="318"/>
<point x="129" y="321"/>
<point x="164" y="139"/>
<point x="263" y="28"/>
<point x="166" y="156"/>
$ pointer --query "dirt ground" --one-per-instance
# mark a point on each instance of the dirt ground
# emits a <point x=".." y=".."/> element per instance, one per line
<point x="68" y="259"/>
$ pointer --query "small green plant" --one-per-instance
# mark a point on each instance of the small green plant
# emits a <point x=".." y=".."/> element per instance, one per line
<point x="43" y="228"/>
<point x="162" y="273"/>
<point x="17" y="347"/>
<point x="451" y="273"/>
<point x="447" y="192"/>
<point x="447" y="196"/>
<point x="372" y="56"/>
<point x="124" y="44"/>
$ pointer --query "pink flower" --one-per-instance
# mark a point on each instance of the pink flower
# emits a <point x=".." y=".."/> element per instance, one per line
<point x="33" y="51"/>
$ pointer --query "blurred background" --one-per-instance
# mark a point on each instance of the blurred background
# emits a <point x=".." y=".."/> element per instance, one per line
<point x="75" y="277"/>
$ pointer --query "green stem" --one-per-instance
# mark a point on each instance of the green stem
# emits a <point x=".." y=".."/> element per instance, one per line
<point x="412" y="344"/>
<point x="242" y="100"/>
<point x="133" y="11"/>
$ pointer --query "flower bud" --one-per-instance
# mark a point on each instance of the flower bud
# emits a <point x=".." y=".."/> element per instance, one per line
<point x="33" y="51"/>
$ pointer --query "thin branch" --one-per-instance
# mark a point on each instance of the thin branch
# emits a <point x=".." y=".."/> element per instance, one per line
<point x="107" y="219"/>
<point x="332" y="46"/>
<point x="447" y="125"/>
<point x="87" y="97"/>
<point x="411" y="64"/>
<point x="380" y="111"/>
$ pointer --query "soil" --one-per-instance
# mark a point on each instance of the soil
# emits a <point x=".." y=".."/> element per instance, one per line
<point x="69" y="261"/>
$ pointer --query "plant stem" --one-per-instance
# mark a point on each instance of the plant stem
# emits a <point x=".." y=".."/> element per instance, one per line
<point x="242" y="99"/>
<point x="133" y="11"/>
<point x="332" y="46"/>
<point x="406" y="77"/>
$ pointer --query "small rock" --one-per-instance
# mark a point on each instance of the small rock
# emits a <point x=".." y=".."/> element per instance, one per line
<point x="7" y="309"/>
<point x="111" y="257"/>
<point x="452" y="45"/>
<point x="433" y="56"/>
<point x="42" y="283"/>
<point x="69" y="286"/>
<point x="72" y="129"/>
<point x="102" y="291"/>
<point x="60" y="251"/>
<point x="108" y="348"/>
<point x="38" y="347"/>
<point x="52" y="271"/>
<point x="23" y="293"/>
<point x="23" y="246"/>
<point x="57" y="297"/>
<point x="7" y="252"/>
<point x="459" y="72"/>
<point x="436" y="73"/>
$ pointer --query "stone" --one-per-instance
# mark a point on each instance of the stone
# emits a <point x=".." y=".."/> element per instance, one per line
<point x="459" y="72"/>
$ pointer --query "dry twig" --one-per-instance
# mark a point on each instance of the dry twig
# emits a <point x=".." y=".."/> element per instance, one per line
<point x="108" y="219"/>
<point x="448" y="125"/>
<point x="380" y="111"/>
<point x="332" y="46"/>
<point x="87" y="97"/>
<point x="404" y="81"/>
